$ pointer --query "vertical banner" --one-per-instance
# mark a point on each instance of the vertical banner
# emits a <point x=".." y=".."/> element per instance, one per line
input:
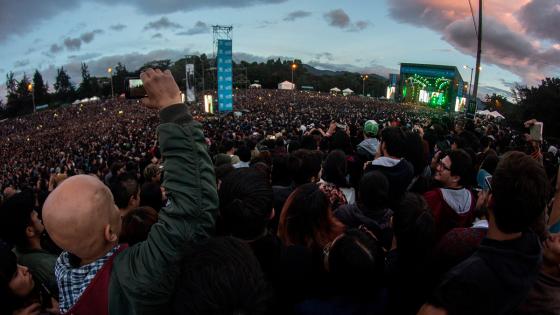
<point x="225" y="73"/>
<point x="189" y="82"/>
<point x="471" y="109"/>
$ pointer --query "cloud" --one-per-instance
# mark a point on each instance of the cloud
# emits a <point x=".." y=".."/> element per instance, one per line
<point x="21" y="63"/>
<point x="326" y="55"/>
<point x="150" y="7"/>
<point x="16" y="19"/>
<point x="542" y="18"/>
<point x="84" y="57"/>
<point x="73" y="43"/>
<point x="162" y="23"/>
<point x="55" y="48"/>
<point x="88" y="36"/>
<point x="484" y="90"/>
<point x="337" y="18"/>
<point x="299" y="14"/>
<point x="117" y="27"/>
<point x="199" y="28"/>
<point x="157" y="35"/>
<point x="516" y="34"/>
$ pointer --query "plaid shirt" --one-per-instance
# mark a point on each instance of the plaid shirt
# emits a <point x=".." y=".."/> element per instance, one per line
<point x="73" y="281"/>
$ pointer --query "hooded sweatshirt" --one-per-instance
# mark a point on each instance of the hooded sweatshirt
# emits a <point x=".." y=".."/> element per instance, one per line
<point x="399" y="173"/>
<point x="495" y="280"/>
<point x="451" y="208"/>
<point x="368" y="148"/>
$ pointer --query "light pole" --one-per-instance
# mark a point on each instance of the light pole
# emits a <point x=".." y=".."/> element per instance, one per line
<point x="294" y="67"/>
<point x="364" y="78"/>
<point x="110" y="70"/>
<point x="31" y="89"/>
<point x="470" y="81"/>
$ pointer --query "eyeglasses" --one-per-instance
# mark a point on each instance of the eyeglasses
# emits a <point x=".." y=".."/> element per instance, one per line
<point x="442" y="165"/>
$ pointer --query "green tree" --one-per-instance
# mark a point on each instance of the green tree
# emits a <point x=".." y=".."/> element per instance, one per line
<point x="63" y="87"/>
<point x="542" y="103"/>
<point x="120" y="76"/>
<point x="41" y="89"/>
<point x="11" y="87"/>
<point x="85" y="88"/>
<point x="24" y="103"/>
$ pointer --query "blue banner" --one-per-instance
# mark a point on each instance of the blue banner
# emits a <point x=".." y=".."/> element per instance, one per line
<point x="428" y="72"/>
<point x="393" y="78"/>
<point x="225" y="75"/>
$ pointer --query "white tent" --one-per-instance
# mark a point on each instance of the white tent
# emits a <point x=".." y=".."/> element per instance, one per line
<point x="255" y="86"/>
<point x="94" y="99"/>
<point x="483" y="112"/>
<point x="286" y="85"/>
<point x="495" y="114"/>
<point x="347" y="92"/>
<point x="76" y="102"/>
<point x="335" y="90"/>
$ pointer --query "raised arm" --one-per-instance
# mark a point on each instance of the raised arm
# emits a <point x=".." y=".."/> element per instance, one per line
<point x="189" y="182"/>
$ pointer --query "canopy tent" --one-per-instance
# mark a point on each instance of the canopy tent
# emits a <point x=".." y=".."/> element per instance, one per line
<point x="347" y="92"/>
<point x="495" y="114"/>
<point x="335" y="90"/>
<point x="255" y="86"/>
<point x="94" y="99"/>
<point x="286" y="85"/>
<point x="76" y="102"/>
<point x="483" y="112"/>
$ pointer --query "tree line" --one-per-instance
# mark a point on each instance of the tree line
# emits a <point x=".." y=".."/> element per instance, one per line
<point x="268" y="74"/>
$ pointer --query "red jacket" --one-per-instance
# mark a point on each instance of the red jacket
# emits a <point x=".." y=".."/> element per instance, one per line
<point x="451" y="208"/>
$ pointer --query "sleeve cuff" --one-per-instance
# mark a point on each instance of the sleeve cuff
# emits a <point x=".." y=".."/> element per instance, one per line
<point x="174" y="113"/>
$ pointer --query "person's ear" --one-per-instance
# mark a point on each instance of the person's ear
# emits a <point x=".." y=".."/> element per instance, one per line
<point x="110" y="235"/>
<point x="29" y="231"/>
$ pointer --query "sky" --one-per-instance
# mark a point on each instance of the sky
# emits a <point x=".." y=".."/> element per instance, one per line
<point x="521" y="41"/>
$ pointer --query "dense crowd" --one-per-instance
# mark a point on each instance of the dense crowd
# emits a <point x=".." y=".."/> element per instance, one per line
<point x="296" y="203"/>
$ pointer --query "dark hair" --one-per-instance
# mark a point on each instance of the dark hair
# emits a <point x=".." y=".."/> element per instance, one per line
<point x="374" y="191"/>
<point x="8" y="267"/>
<point x="356" y="262"/>
<point x="246" y="202"/>
<point x="485" y="142"/>
<point x="395" y="141"/>
<point x="335" y="169"/>
<point x="223" y="170"/>
<point x="221" y="276"/>
<point x="244" y="153"/>
<point x="151" y="196"/>
<point x="303" y="165"/>
<point x="519" y="192"/>
<point x="414" y="228"/>
<point x="462" y="166"/>
<point x="124" y="187"/>
<point x="15" y="216"/>
<point x="137" y="224"/>
<point x="489" y="163"/>
<point x="307" y="219"/>
<point x="415" y="152"/>
<point x="308" y="142"/>
<point x="115" y="167"/>
<point x="340" y="141"/>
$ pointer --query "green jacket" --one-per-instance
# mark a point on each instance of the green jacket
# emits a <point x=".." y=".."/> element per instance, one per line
<point x="142" y="279"/>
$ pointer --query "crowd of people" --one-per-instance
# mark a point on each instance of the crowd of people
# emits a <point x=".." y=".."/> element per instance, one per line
<point x="296" y="203"/>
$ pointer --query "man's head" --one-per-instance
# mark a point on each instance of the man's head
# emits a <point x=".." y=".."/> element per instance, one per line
<point x="246" y="202"/>
<point x="81" y="217"/>
<point x="304" y="166"/>
<point x="126" y="191"/>
<point x="237" y="286"/>
<point x="393" y="142"/>
<point x="374" y="191"/>
<point x="455" y="169"/>
<point x="9" y="192"/>
<point x="244" y="153"/>
<point x="519" y="190"/>
<point x="152" y="173"/>
<point x="20" y="222"/>
<point x="370" y="129"/>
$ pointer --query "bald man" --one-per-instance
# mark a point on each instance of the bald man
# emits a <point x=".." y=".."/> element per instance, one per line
<point x="95" y="274"/>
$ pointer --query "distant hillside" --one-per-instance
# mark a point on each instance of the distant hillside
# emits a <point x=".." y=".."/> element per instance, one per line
<point x="318" y="72"/>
